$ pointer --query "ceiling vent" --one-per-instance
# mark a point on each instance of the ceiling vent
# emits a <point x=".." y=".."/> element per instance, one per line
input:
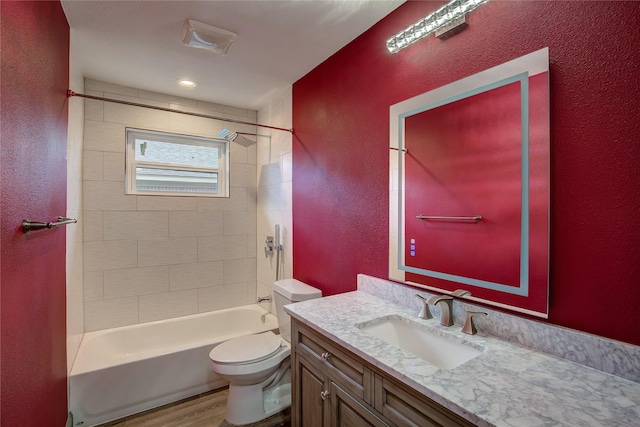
<point x="217" y="40"/>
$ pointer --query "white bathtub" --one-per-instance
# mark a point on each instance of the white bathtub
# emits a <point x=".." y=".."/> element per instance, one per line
<point x="122" y="371"/>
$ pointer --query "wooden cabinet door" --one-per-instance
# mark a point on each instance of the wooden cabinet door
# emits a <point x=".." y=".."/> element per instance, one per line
<point x="310" y="409"/>
<point x="346" y="411"/>
<point x="404" y="407"/>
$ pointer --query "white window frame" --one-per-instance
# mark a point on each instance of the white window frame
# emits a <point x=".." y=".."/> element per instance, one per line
<point x="190" y="140"/>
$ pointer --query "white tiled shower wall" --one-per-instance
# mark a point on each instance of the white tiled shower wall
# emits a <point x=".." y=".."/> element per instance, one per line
<point x="154" y="257"/>
<point x="74" y="268"/>
<point x="274" y="161"/>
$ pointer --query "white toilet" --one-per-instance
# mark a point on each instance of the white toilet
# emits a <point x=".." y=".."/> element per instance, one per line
<point x="257" y="366"/>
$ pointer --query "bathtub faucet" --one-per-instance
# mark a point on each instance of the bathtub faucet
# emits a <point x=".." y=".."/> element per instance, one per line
<point x="261" y="299"/>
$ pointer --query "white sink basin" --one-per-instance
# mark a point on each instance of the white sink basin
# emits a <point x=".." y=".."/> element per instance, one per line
<point x="438" y="349"/>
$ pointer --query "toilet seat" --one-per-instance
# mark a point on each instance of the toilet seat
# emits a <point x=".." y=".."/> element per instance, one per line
<point x="249" y="355"/>
<point x="247" y="349"/>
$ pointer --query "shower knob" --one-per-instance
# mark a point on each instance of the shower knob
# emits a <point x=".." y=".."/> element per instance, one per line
<point x="268" y="249"/>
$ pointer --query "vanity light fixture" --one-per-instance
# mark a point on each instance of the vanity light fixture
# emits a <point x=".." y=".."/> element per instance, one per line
<point x="444" y="22"/>
<point x="187" y="83"/>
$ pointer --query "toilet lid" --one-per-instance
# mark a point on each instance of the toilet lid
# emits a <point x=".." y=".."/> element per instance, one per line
<point x="247" y="348"/>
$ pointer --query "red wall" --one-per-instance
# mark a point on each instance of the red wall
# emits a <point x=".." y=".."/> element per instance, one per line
<point x="35" y="76"/>
<point x="340" y="148"/>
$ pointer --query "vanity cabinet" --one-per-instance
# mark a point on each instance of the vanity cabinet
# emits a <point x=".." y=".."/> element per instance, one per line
<point x="325" y="403"/>
<point x="332" y="387"/>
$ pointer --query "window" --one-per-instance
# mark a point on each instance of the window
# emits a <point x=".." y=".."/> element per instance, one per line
<point x="161" y="163"/>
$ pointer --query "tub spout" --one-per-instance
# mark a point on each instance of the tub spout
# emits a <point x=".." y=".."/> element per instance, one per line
<point x="262" y="299"/>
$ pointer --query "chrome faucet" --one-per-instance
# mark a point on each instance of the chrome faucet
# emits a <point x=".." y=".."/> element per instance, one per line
<point x="261" y="299"/>
<point x="446" y="308"/>
<point x="424" y="312"/>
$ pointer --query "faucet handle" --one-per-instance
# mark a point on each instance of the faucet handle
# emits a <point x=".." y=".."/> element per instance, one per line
<point x="469" y="327"/>
<point x="424" y="313"/>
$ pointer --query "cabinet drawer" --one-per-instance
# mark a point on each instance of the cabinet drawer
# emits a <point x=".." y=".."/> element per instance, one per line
<point x="344" y="368"/>
<point x="405" y="407"/>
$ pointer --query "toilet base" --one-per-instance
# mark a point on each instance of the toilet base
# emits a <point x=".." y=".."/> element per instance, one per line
<point x="247" y="404"/>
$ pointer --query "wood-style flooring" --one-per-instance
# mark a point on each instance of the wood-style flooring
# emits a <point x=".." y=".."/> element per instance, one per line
<point x="205" y="410"/>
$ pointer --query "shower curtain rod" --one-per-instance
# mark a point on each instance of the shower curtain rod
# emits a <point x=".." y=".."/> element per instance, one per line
<point x="71" y="93"/>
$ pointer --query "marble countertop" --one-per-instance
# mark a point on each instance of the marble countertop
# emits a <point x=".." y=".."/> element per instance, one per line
<point x="507" y="385"/>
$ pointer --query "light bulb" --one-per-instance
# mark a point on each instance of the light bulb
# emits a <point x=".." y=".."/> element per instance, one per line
<point x="187" y="83"/>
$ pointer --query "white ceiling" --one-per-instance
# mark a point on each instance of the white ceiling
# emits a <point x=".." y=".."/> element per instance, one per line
<point x="139" y="43"/>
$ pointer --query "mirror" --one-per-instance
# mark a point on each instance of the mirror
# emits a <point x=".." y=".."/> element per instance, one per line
<point x="469" y="186"/>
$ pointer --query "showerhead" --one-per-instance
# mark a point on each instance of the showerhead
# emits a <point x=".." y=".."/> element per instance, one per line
<point x="236" y="137"/>
<point x="227" y="134"/>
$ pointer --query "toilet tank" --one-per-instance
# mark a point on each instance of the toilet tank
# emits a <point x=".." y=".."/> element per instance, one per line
<point x="288" y="291"/>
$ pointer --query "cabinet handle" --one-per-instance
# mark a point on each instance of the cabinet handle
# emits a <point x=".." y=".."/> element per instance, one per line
<point x="324" y="394"/>
<point x="325" y="356"/>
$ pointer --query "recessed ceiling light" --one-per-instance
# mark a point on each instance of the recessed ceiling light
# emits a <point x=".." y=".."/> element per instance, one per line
<point x="187" y="83"/>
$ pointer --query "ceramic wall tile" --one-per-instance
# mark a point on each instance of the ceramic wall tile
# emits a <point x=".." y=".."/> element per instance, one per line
<point x="114" y="167"/>
<point x="92" y="195"/>
<point x="109" y="255"/>
<point x="237" y="247"/>
<point x="239" y="222"/>
<point x="92" y="165"/>
<point x="287" y="167"/>
<point x="100" y="86"/>
<point x="186" y="224"/>
<point x="196" y="275"/>
<point x="182" y="250"/>
<point x="167" y="203"/>
<point x="102" y="136"/>
<point x="215" y="203"/>
<point x="162" y="97"/>
<point x="239" y="153"/>
<point x="239" y="270"/>
<point x="93" y="109"/>
<point x="168" y="305"/>
<point x="135" y="225"/>
<point x="114" y="199"/>
<point x="135" y="281"/>
<point x="139" y="118"/>
<point x="242" y="175"/>
<point x="92" y="225"/>
<point x="93" y="285"/>
<point x="237" y="199"/>
<point x="110" y="313"/>
<point x="271" y="197"/>
<point x="182" y="123"/>
<point x="221" y="297"/>
<point x="211" y="248"/>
